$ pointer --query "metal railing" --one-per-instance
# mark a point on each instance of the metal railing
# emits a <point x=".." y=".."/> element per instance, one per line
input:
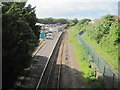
<point x="110" y="76"/>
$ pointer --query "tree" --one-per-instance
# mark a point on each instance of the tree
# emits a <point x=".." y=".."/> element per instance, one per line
<point x="62" y="21"/>
<point x="84" y="21"/>
<point x="109" y="17"/>
<point x="51" y="20"/>
<point x="75" y="21"/>
<point x="19" y="40"/>
<point x="30" y="17"/>
<point x="99" y="29"/>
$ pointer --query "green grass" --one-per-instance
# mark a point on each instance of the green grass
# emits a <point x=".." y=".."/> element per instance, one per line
<point x="109" y="58"/>
<point x="79" y="51"/>
<point x="83" y="60"/>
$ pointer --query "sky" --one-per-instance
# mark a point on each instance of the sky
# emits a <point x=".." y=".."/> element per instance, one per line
<point x="92" y="9"/>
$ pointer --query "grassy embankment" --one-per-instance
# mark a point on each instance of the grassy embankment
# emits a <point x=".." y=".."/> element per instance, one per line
<point x="83" y="60"/>
<point x="109" y="57"/>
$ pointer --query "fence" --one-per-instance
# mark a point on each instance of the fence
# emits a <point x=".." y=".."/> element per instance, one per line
<point x="109" y="75"/>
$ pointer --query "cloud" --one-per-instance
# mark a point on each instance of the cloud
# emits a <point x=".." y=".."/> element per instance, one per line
<point x="73" y="8"/>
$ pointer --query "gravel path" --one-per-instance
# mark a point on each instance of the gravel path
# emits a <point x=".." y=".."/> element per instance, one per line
<point x="71" y="76"/>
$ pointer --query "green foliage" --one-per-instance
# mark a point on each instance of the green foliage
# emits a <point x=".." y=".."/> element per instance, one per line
<point x="19" y="39"/>
<point x="83" y="60"/>
<point x="62" y="21"/>
<point x="104" y="37"/>
<point x="115" y="32"/>
<point x="113" y="39"/>
<point x="98" y="30"/>
<point x="109" y="17"/>
<point x="82" y="25"/>
<point x="83" y="21"/>
<point x="75" y="21"/>
<point x="51" y="20"/>
<point x="104" y="33"/>
<point x="69" y="20"/>
<point x="66" y="26"/>
<point x="90" y="74"/>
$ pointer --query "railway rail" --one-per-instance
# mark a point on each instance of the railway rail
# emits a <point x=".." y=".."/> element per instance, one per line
<point x="60" y="62"/>
<point x="44" y="79"/>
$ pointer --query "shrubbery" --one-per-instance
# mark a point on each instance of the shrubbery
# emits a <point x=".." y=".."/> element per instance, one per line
<point x="105" y="34"/>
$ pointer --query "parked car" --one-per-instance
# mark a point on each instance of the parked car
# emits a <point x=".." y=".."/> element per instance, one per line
<point x="49" y="36"/>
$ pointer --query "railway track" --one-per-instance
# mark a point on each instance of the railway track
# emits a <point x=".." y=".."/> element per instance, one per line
<point x="45" y="77"/>
<point x="61" y="52"/>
